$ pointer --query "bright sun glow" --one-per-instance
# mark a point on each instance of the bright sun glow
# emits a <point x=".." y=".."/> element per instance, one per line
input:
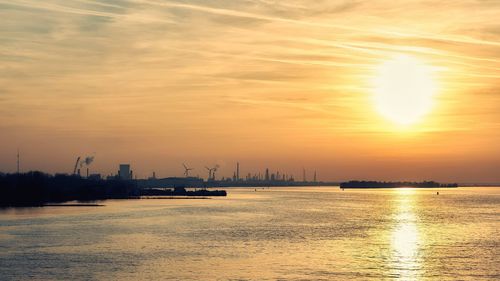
<point x="403" y="90"/>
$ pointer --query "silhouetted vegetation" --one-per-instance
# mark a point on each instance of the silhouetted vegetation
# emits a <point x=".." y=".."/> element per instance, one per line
<point x="37" y="189"/>
<point x="379" y="184"/>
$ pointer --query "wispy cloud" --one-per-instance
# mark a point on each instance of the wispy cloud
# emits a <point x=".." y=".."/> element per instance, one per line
<point x="175" y="70"/>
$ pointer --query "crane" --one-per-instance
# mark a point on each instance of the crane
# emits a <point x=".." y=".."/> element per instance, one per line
<point x="76" y="165"/>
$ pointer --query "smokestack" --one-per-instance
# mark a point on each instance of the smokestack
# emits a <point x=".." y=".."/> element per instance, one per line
<point x="78" y="172"/>
<point x="87" y="172"/>
<point x="237" y="171"/>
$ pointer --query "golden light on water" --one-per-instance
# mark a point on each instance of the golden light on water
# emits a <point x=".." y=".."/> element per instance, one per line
<point x="403" y="90"/>
<point x="404" y="242"/>
<point x="405" y="238"/>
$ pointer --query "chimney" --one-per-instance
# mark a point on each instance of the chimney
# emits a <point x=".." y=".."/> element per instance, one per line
<point x="238" y="171"/>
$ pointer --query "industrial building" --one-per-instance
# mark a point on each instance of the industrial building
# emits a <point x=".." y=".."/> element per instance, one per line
<point x="124" y="172"/>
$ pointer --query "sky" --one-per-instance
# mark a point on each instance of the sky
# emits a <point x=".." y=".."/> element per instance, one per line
<point x="283" y="85"/>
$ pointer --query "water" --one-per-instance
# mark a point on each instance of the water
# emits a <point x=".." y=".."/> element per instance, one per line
<point x="272" y="234"/>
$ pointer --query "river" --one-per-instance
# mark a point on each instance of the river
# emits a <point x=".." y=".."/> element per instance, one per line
<point x="295" y="233"/>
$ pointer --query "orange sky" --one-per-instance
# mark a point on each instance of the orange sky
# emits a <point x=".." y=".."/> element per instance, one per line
<point x="278" y="84"/>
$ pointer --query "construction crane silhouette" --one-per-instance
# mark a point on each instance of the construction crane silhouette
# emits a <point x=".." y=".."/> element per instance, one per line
<point x="186" y="170"/>
<point x="76" y="165"/>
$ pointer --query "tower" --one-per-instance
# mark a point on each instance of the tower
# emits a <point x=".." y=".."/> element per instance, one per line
<point x="18" y="160"/>
<point x="237" y="171"/>
<point x="303" y="174"/>
<point x="314" y="176"/>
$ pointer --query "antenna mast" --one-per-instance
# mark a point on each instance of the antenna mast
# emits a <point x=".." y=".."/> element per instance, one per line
<point x="18" y="161"/>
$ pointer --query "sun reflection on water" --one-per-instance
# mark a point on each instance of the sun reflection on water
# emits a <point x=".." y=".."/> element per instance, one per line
<point x="405" y="239"/>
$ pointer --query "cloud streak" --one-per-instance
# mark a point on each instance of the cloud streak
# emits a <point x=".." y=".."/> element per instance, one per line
<point x="275" y="77"/>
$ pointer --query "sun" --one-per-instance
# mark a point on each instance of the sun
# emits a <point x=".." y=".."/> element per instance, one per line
<point x="403" y="89"/>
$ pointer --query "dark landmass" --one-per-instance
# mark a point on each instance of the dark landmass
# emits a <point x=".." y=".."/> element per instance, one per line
<point x="177" y="197"/>
<point x="479" y="184"/>
<point x="171" y="182"/>
<point x="38" y="189"/>
<point x="181" y="191"/>
<point x="73" y="205"/>
<point x="403" y="184"/>
<point x="200" y="183"/>
<point x="270" y="183"/>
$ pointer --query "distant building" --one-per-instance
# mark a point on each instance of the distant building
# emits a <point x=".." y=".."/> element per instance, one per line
<point x="125" y="173"/>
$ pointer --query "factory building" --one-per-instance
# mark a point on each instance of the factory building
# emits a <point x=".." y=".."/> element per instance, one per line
<point x="124" y="172"/>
